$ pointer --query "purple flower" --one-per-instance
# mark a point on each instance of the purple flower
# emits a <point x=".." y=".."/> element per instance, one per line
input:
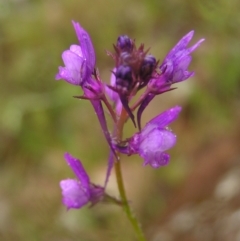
<point x="77" y="193"/>
<point x="154" y="139"/>
<point x="175" y="65"/>
<point x="178" y="59"/>
<point x="79" y="66"/>
<point x="79" y="60"/>
<point x="174" y="69"/>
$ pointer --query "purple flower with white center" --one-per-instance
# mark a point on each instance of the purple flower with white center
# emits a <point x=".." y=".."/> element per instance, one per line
<point x="79" y="60"/>
<point x="77" y="193"/>
<point x="154" y="139"/>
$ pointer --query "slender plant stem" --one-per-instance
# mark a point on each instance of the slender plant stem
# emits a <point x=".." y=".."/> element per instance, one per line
<point x="130" y="215"/>
<point x="110" y="109"/>
<point x="132" y="218"/>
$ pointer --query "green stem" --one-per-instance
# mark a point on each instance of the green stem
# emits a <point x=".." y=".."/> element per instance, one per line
<point x="132" y="218"/>
<point x="126" y="207"/>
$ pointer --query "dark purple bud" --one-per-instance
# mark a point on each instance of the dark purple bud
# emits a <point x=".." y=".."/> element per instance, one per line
<point x="125" y="57"/>
<point x="124" y="43"/>
<point x="149" y="60"/>
<point x="124" y="82"/>
<point x="148" y="66"/>
<point x="123" y="79"/>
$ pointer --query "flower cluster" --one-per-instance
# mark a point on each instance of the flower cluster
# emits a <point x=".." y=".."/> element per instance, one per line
<point x="135" y="69"/>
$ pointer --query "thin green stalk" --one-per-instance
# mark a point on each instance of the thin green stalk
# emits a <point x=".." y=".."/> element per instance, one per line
<point x="132" y="218"/>
<point x="126" y="207"/>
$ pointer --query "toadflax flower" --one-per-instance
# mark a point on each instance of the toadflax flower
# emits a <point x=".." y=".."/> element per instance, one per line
<point x="79" y="67"/>
<point x="77" y="193"/>
<point x="175" y="64"/>
<point x="174" y="68"/>
<point x="154" y="139"/>
<point x="79" y="60"/>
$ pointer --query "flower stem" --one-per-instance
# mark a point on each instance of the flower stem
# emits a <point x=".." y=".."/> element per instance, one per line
<point x="110" y="109"/>
<point x="132" y="218"/>
<point x="117" y="165"/>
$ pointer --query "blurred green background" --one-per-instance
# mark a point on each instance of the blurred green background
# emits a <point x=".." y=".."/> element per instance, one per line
<point x="40" y="120"/>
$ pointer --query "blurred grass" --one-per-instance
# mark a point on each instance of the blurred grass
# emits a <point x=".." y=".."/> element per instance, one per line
<point x="40" y="120"/>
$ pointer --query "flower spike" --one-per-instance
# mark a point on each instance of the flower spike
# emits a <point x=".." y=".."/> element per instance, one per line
<point x="135" y="69"/>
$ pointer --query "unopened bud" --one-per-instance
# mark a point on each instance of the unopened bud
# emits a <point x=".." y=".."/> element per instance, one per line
<point x="148" y="66"/>
<point x="124" y="43"/>
<point x="123" y="78"/>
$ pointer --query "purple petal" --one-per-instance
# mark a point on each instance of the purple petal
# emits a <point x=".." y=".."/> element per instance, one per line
<point x="79" y="170"/>
<point x="76" y="49"/>
<point x="74" y="70"/>
<point x="113" y="95"/>
<point x="157" y="140"/>
<point x="74" y="196"/>
<point x="152" y="148"/>
<point x="183" y="63"/>
<point x="182" y="44"/>
<point x="159" y="159"/>
<point x="195" y="45"/>
<point x="180" y="73"/>
<point x="86" y="45"/>
<point x="165" y="118"/>
<point x="118" y="107"/>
